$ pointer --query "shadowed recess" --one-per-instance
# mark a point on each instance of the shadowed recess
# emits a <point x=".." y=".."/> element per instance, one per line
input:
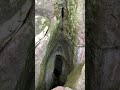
<point x="57" y="72"/>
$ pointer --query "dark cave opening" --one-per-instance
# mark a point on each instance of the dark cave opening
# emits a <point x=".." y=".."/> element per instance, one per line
<point x="57" y="72"/>
<point x="58" y="66"/>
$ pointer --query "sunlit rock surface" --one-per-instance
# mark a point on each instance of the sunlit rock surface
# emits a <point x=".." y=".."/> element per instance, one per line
<point x="56" y="43"/>
<point x="62" y="88"/>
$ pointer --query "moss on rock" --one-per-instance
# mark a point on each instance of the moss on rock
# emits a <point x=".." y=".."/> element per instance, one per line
<point x="72" y="79"/>
<point x="66" y="39"/>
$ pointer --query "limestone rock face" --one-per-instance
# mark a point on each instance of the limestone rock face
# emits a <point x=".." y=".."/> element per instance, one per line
<point x="103" y="41"/>
<point x="63" y="50"/>
<point x="43" y="18"/>
<point x="62" y="88"/>
<point x="16" y="39"/>
<point x="76" y="79"/>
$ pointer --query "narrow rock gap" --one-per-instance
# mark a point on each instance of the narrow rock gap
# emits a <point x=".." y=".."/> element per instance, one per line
<point x="57" y="72"/>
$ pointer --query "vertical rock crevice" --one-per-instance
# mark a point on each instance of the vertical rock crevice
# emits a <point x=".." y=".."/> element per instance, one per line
<point x="61" y="47"/>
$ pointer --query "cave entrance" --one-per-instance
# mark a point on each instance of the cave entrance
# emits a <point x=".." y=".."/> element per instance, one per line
<point x="57" y="72"/>
<point x="58" y="66"/>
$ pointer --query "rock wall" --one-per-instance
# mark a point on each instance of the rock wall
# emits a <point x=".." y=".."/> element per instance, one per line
<point x="61" y="45"/>
<point x="65" y="42"/>
<point x="102" y="44"/>
<point x="16" y="41"/>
